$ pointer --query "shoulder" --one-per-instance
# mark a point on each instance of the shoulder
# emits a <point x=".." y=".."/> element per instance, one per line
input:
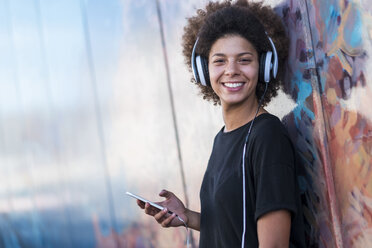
<point x="268" y="126"/>
<point x="269" y="136"/>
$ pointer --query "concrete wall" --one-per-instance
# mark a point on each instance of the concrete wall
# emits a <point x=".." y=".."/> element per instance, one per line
<point x="95" y="100"/>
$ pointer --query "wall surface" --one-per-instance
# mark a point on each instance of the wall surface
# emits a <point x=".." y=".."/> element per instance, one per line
<point x="95" y="100"/>
<point x="328" y="77"/>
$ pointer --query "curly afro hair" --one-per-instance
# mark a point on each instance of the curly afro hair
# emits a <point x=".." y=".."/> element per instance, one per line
<point x="247" y="19"/>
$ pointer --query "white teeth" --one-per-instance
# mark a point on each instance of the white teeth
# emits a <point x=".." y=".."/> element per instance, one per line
<point x="233" y="85"/>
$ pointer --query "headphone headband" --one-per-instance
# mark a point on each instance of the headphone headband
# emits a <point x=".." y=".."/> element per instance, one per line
<point x="275" y="62"/>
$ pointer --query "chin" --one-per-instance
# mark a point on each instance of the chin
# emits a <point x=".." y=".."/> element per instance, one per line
<point x="233" y="102"/>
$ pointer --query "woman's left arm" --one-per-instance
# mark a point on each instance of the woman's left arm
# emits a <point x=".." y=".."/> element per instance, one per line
<point x="273" y="229"/>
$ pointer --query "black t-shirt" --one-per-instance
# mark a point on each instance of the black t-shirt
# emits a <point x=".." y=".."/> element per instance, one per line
<point x="270" y="184"/>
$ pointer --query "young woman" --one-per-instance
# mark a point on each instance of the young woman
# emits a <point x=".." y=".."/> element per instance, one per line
<point x="249" y="195"/>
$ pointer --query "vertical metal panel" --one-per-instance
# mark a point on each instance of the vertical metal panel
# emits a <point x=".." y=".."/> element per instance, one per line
<point x="79" y="124"/>
<point x="141" y="144"/>
<point x="24" y="220"/>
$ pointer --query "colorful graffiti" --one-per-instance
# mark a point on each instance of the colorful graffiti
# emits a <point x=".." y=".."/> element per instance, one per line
<point x="348" y="129"/>
<point x="332" y="126"/>
<point x="97" y="102"/>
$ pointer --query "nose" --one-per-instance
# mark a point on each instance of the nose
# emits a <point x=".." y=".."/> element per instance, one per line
<point x="232" y="68"/>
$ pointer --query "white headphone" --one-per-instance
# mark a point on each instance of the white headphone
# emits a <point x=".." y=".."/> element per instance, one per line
<point x="268" y="65"/>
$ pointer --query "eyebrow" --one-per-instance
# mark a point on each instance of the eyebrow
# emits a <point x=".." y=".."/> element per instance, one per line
<point x="240" y="54"/>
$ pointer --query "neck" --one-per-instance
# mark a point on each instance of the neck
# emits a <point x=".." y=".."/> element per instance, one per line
<point x="239" y="115"/>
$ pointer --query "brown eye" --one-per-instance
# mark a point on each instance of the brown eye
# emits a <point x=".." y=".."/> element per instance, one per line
<point x="245" y="60"/>
<point x="217" y="61"/>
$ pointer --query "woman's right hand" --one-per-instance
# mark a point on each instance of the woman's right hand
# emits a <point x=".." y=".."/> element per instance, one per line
<point x="171" y="203"/>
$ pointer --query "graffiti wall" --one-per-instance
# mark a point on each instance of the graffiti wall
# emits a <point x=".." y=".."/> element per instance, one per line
<point x="328" y="78"/>
<point x="95" y="101"/>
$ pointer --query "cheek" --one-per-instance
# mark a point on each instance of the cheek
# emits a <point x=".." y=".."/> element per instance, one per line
<point x="214" y="83"/>
<point x="214" y="89"/>
<point x="252" y="73"/>
<point x="214" y="73"/>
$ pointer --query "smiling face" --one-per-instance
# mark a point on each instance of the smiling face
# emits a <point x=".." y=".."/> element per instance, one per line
<point x="233" y="70"/>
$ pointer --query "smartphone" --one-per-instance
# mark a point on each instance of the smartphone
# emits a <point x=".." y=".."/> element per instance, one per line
<point x="150" y="202"/>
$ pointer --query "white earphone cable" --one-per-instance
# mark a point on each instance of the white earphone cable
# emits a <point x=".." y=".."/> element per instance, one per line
<point x="243" y="166"/>
<point x="187" y="232"/>
<point x="244" y="211"/>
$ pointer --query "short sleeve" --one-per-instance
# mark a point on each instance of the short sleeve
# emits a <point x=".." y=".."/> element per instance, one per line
<point x="273" y="161"/>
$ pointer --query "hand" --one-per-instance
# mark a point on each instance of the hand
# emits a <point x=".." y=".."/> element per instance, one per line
<point x="171" y="203"/>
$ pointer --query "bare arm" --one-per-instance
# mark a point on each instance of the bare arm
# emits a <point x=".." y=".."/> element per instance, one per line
<point x="194" y="219"/>
<point x="273" y="229"/>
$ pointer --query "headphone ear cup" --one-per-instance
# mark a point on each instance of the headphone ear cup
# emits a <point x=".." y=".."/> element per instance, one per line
<point x="261" y="75"/>
<point x="265" y="67"/>
<point x="205" y="71"/>
<point x="268" y="66"/>
<point x="202" y="71"/>
<point x="199" y="67"/>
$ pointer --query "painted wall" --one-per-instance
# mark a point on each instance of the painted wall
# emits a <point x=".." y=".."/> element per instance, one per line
<point x="332" y="123"/>
<point x="95" y="100"/>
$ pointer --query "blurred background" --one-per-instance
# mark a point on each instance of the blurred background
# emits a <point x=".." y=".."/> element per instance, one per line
<point x="95" y="100"/>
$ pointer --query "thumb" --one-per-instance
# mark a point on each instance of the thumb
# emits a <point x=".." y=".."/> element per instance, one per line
<point x="165" y="193"/>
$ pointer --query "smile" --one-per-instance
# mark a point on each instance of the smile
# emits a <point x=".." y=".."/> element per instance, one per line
<point x="233" y="85"/>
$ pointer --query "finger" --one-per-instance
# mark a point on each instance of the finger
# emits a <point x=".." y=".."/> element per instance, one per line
<point x="161" y="215"/>
<point x="167" y="221"/>
<point x="149" y="209"/>
<point x="165" y="193"/>
<point x="141" y="204"/>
